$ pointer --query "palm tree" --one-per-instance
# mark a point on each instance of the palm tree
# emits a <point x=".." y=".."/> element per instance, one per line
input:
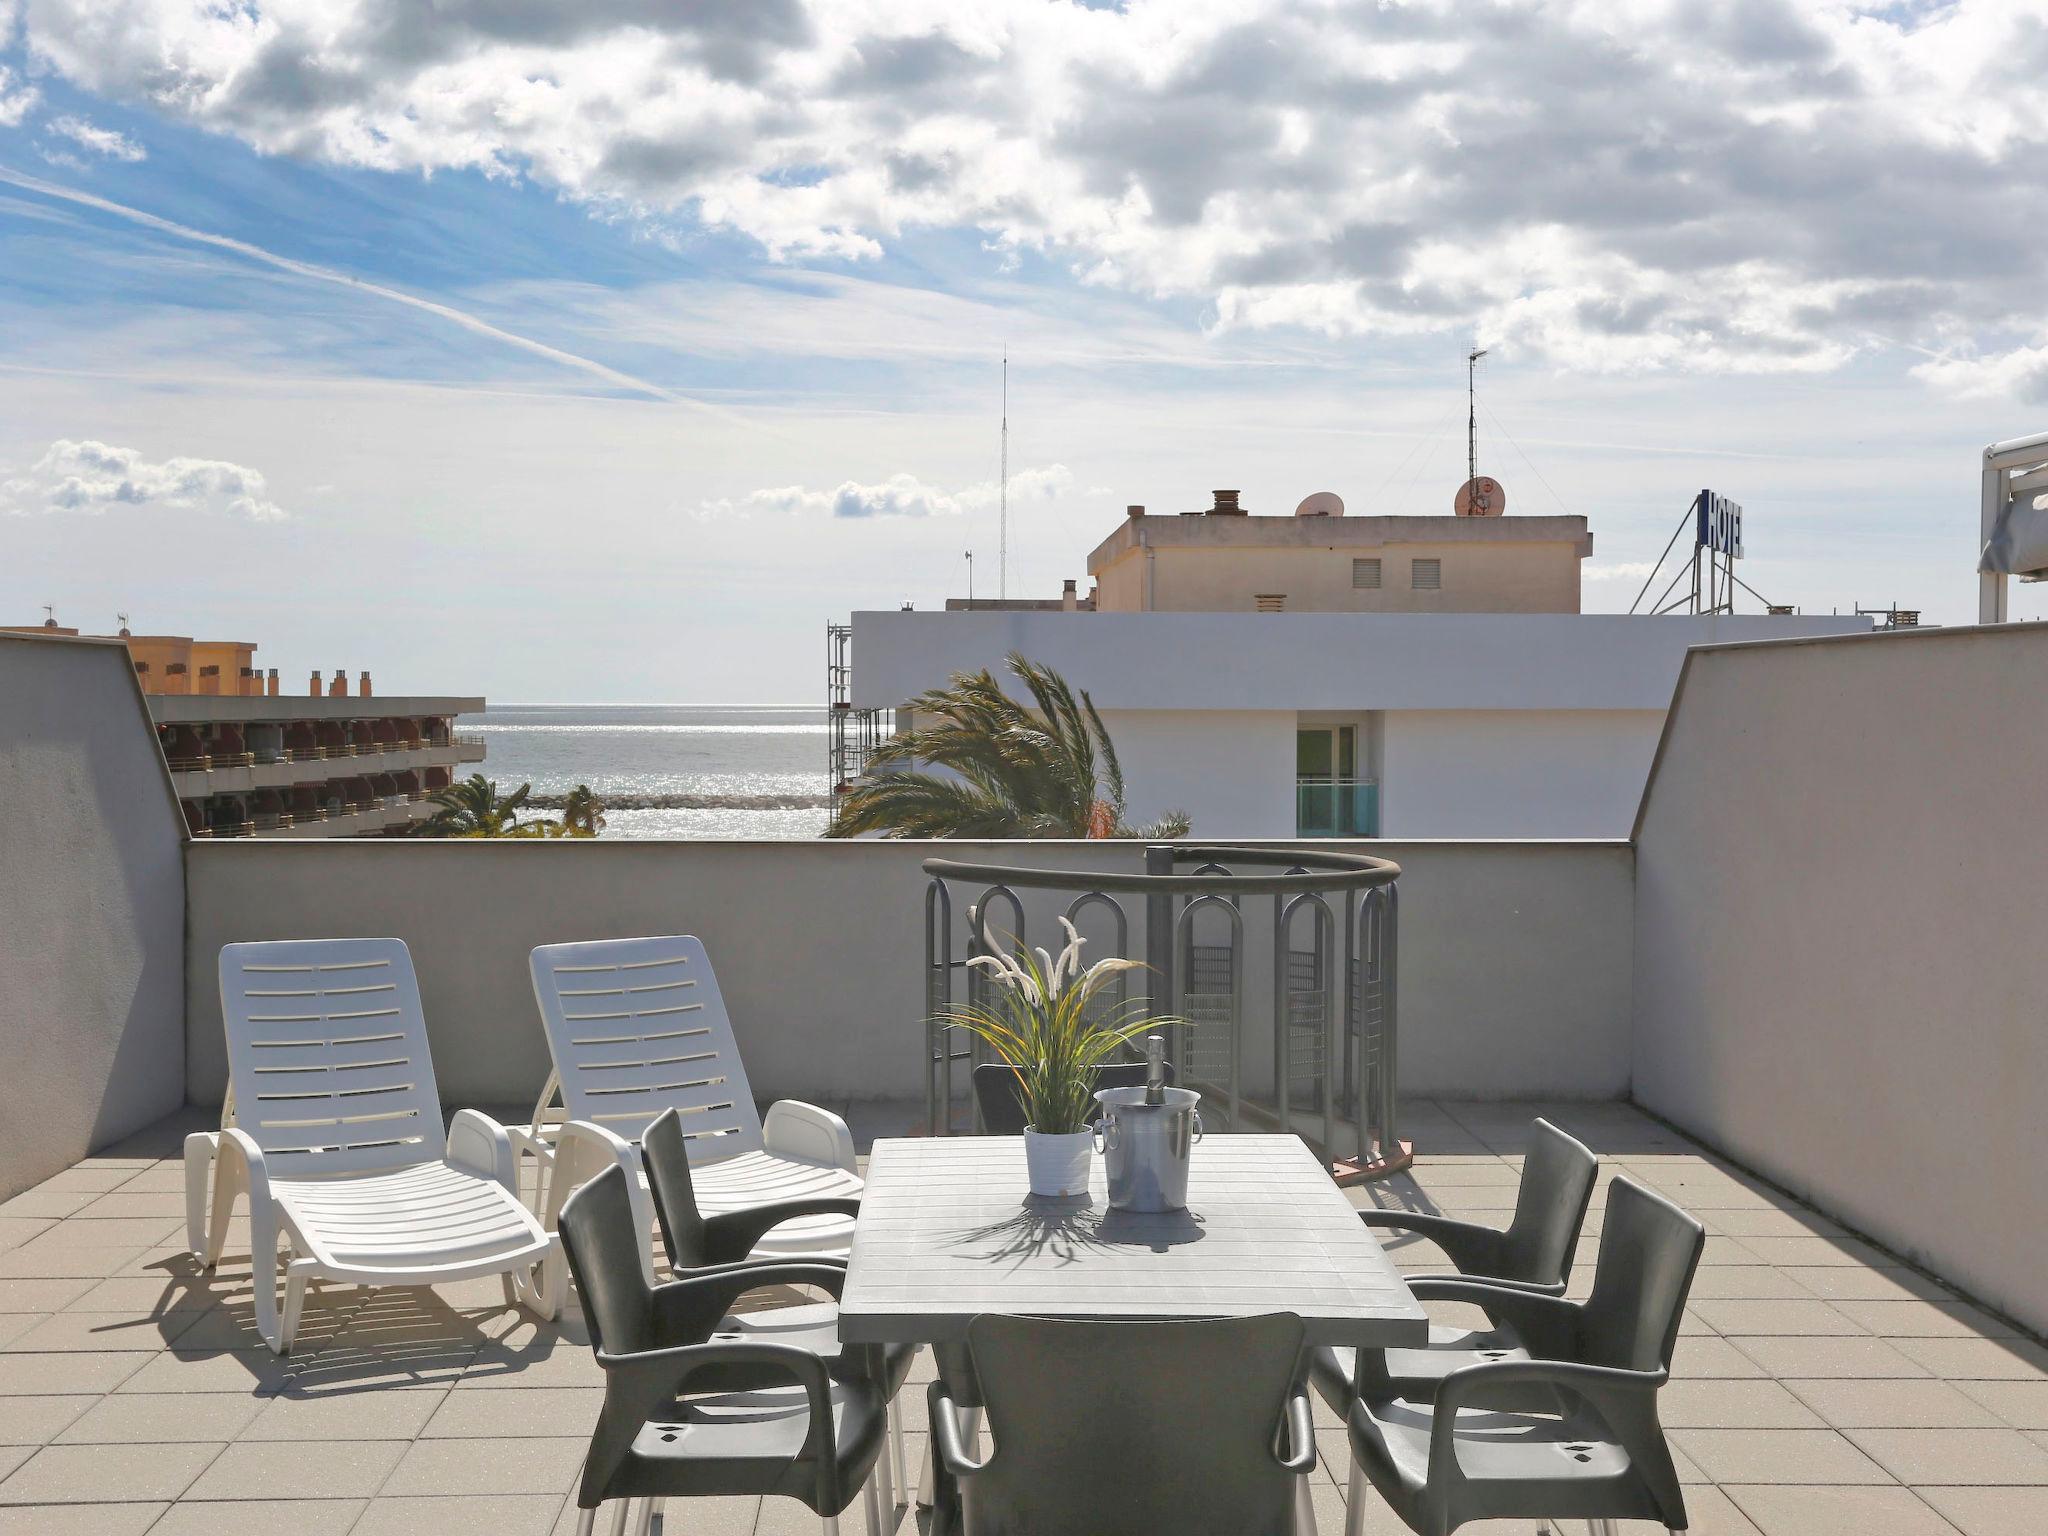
<point x="474" y="809"/>
<point x="1009" y="770"/>
<point x="582" y="812"/>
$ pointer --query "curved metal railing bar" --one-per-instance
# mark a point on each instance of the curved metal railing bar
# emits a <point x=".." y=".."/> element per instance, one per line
<point x="1305" y="870"/>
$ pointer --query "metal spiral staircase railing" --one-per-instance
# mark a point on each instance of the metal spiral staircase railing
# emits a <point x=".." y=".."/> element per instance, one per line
<point x="1329" y="1010"/>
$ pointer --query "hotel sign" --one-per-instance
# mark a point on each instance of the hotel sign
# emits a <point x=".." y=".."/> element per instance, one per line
<point x="1720" y="525"/>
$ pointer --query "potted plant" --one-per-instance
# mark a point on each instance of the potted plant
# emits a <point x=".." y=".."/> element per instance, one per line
<point x="1037" y="1021"/>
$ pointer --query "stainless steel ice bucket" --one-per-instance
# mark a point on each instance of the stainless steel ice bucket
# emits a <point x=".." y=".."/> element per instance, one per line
<point x="1145" y="1146"/>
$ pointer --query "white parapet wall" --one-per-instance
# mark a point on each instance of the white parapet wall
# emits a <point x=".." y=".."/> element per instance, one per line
<point x="1838" y="956"/>
<point x="1514" y="956"/>
<point x="1515" y="773"/>
<point x="92" y="908"/>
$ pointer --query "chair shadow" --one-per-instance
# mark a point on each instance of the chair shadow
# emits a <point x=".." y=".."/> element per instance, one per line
<point x="350" y="1338"/>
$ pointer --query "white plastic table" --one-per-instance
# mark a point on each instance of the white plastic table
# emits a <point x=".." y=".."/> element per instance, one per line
<point x="947" y="1231"/>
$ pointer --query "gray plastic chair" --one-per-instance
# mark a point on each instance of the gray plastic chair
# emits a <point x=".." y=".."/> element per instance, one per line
<point x="697" y="1244"/>
<point x="1596" y="1450"/>
<point x="1130" y="1429"/>
<point x="689" y="1415"/>
<point x="1558" y="1174"/>
<point x="1533" y="1254"/>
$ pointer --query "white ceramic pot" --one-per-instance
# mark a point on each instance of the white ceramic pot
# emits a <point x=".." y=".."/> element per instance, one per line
<point x="1058" y="1165"/>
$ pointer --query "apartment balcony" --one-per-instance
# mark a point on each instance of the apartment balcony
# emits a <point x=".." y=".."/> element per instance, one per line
<point x="1336" y="807"/>
<point x="1799" y="1002"/>
<point x="197" y="777"/>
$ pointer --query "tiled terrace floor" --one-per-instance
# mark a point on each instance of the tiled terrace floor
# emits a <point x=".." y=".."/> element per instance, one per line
<point x="1821" y="1387"/>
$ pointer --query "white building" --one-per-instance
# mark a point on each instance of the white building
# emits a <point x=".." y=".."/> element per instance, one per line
<point x="1412" y="699"/>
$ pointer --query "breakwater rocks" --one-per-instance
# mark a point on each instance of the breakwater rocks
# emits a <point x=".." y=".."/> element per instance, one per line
<point x="694" y="802"/>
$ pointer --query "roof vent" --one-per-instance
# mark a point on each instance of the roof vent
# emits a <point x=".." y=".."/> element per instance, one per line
<point x="1226" y="505"/>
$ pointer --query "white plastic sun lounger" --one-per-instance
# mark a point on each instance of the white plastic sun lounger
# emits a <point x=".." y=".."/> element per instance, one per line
<point x="333" y="1128"/>
<point x="637" y="1026"/>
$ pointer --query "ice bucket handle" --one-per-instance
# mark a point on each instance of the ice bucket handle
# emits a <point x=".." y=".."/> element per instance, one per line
<point x="1105" y="1131"/>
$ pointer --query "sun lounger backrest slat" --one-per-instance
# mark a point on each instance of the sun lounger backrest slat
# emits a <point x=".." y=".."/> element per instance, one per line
<point x="327" y="1055"/>
<point x="637" y="1026"/>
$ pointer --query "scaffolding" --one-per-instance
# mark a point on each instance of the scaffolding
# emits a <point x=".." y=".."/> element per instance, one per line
<point x="851" y="735"/>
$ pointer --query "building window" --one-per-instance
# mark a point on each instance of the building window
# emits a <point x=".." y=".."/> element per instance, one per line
<point x="1270" y="602"/>
<point x="1365" y="573"/>
<point x="1426" y="575"/>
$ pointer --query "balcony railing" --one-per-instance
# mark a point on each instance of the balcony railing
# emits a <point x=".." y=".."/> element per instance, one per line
<point x="1330" y="967"/>
<point x="1336" y="808"/>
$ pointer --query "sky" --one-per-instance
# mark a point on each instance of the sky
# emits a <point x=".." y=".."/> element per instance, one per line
<point x="608" y="351"/>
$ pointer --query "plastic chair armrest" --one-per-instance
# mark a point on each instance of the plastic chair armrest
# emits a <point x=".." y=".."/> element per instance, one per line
<point x="480" y="1145"/>
<point x="1294" y="1445"/>
<point x="794" y="1129"/>
<point x="1552" y="1288"/>
<point x="687" y="1310"/>
<point x="946" y="1442"/>
<point x="1472" y="1248"/>
<point x="731" y="1235"/>
<point x="1547" y="1325"/>
<point x="252" y="1160"/>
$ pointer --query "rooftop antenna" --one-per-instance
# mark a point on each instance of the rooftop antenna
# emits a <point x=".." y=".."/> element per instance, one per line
<point x="1003" y="524"/>
<point x="49" y="613"/>
<point x="1472" y="412"/>
<point x="970" y="577"/>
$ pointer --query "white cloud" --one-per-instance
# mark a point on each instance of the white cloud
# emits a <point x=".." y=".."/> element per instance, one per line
<point x="17" y="99"/>
<point x="1619" y="570"/>
<point x="2021" y="374"/>
<point x="90" y="477"/>
<point x="901" y="495"/>
<point x="90" y="136"/>
<point x="1634" y="184"/>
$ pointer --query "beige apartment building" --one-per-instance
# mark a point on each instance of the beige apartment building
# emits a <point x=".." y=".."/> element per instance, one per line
<point x="1224" y="560"/>
<point x="1317" y="675"/>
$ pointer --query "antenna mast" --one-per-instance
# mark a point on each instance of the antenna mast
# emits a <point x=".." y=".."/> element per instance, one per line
<point x="1003" y="552"/>
<point x="1472" y="412"/>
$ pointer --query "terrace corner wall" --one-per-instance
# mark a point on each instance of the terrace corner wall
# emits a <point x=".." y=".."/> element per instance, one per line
<point x="1838" y="916"/>
<point x="1514" y="960"/>
<point x="92" y="908"/>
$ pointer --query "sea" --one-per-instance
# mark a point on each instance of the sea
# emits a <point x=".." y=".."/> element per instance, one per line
<point x="666" y="770"/>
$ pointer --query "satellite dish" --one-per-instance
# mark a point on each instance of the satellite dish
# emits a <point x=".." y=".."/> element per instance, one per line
<point x="1321" y="504"/>
<point x="1481" y="496"/>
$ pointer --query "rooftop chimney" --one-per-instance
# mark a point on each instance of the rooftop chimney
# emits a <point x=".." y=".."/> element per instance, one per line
<point x="1070" y="597"/>
<point x="273" y="682"/>
<point x="1134" y="511"/>
<point x="338" y="689"/>
<point x="364" y="686"/>
<point x="1226" y="505"/>
<point x="316" y="690"/>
